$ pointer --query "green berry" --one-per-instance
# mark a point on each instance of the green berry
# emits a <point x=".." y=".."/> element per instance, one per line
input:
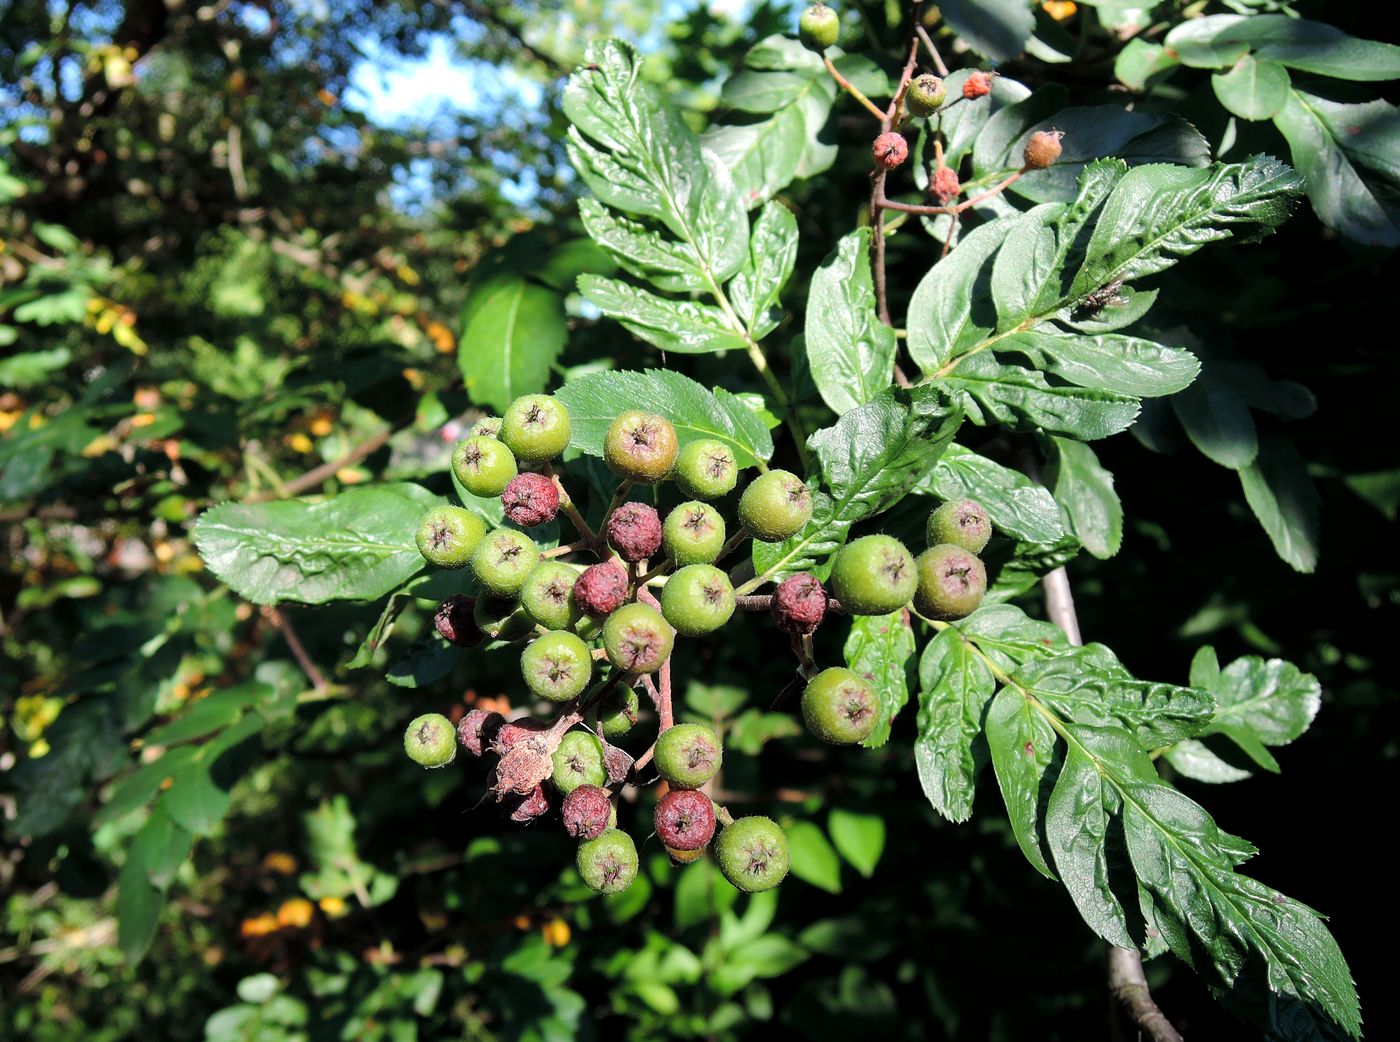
<point x="557" y="666"/>
<point x="706" y="469"/>
<point x="431" y="740"/>
<point x="926" y="93"/>
<point x="753" y="853"/>
<point x="608" y="863"/>
<point x="448" y="535"/>
<point x="637" y="638"/>
<point x="548" y="595"/>
<point x="961" y="522"/>
<point x="504" y="560"/>
<point x="818" y="27"/>
<point x="579" y="761"/>
<point x="775" y="506"/>
<point x="618" y="712"/>
<point x="693" y="534"/>
<point x="536" y="427"/>
<point x="839" y="706"/>
<point x="640" y="446"/>
<point x="952" y="582"/>
<point x="874" y="575"/>
<point x="688" y="755"/>
<point x="483" y="466"/>
<point x="698" y="599"/>
<point x="486" y="427"/>
<point x="501" y="618"/>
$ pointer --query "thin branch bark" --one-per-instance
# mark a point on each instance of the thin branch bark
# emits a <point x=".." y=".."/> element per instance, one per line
<point x="289" y="634"/>
<point x="316" y="475"/>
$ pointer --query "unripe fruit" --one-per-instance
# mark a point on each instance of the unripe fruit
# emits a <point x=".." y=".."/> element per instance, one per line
<point x="706" y="469"/>
<point x="753" y="854"/>
<point x="431" y="740"/>
<point x="504" y="560"/>
<point x="874" y="575"/>
<point x="693" y="534"/>
<point x="977" y="85"/>
<point x="799" y="604"/>
<point x="684" y="819"/>
<point x="640" y="446"/>
<point x="775" y="506"/>
<point x="945" y="186"/>
<point x="501" y="618"/>
<point x="685" y="857"/>
<point x="530" y="500"/>
<point x="634" y="531"/>
<point x="818" y="27"/>
<point x="586" y="811"/>
<point x="961" y="522"/>
<point x="483" y="465"/>
<point x="698" y="599"/>
<point x="618" y="712"/>
<point x="454" y="623"/>
<point x="536" y="427"/>
<point x="601" y="589"/>
<point x="1042" y="149"/>
<point x="478" y="729"/>
<point x="486" y="427"/>
<point x="890" y="150"/>
<point x="925" y="94"/>
<point x="448" y="535"/>
<point x="579" y="761"/>
<point x="637" y="638"/>
<point x="688" y="755"/>
<point x="952" y="582"/>
<point x="608" y="862"/>
<point x="839" y="706"/>
<point x="557" y="666"/>
<point x="532" y="805"/>
<point x="548" y="595"/>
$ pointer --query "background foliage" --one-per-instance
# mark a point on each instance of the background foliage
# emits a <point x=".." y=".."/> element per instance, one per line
<point x="219" y="274"/>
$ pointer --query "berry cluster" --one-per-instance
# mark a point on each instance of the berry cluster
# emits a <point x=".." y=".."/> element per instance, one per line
<point x="575" y="618"/>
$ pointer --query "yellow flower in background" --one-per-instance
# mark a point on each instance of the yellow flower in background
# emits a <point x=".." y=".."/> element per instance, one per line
<point x="279" y="861"/>
<point x="296" y="913"/>
<point x="1060" y="10"/>
<point x="259" y="925"/>
<point x="556" y="933"/>
<point x="334" y="907"/>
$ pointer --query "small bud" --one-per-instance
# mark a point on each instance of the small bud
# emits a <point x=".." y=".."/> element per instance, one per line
<point x="799" y="604"/>
<point x="1042" y="149"/>
<point x="890" y="150"/>
<point x="530" y="499"/>
<point x="586" y="811"/>
<point x="454" y="621"/>
<point x="977" y="85"/>
<point x="634" y="531"/>
<point x="925" y="94"/>
<point x="945" y="186"/>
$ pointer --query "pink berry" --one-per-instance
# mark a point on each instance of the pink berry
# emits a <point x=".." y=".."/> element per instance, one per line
<point x="945" y="185"/>
<point x="586" y="811"/>
<point x="634" y="531"/>
<point x="478" y="729"/>
<point x="530" y="499"/>
<point x="454" y="621"/>
<point x="601" y="589"/>
<point x="890" y="150"/>
<point x="799" y="603"/>
<point x="533" y="804"/>
<point x="684" y="819"/>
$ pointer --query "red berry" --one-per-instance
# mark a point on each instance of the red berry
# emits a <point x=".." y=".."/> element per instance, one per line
<point x="586" y="811"/>
<point x="531" y="499"/>
<point x="890" y="150"/>
<point x="454" y="621"/>
<point x="799" y="603"/>
<point x="513" y="732"/>
<point x="478" y="729"/>
<point x="601" y="589"/>
<point x="684" y="819"/>
<point x="634" y="531"/>
<point x="978" y="85"/>
<point x="945" y="185"/>
<point x="533" y="804"/>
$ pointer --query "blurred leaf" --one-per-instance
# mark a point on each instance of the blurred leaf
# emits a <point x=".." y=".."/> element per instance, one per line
<point x="1085" y="490"/>
<point x="1285" y="501"/>
<point x="860" y="838"/>
<point x="512" y="332"/>
<point x="812" y="857"/>
<point x="1252" y="89"/>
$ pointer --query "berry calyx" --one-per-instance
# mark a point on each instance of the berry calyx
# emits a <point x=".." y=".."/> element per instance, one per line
<point x="961" y="522"/>
<point x="477" y="730"/>
<point x="688" y="755"/>
<point x="548" y="595"/>
<point x="925" y="94"/>
<point x="706" y="469"/>
<point x="753" y="853"/>
<point x="840" y="707"/>
<point x="952" y="582"/>
<point x="634" y="531"/>
<point x="483" y="465"/>
<point x="557" y="666"/>
<point x="641" y="446"/>
<point x="454" y="623"/>
<point x="693" y="534"/>
<point x="874" y="575"/>
<point x="637" y="638"/>
<point x="501" y="618"/>
<point x="684" y="819"/>
<point x="977" y="85"/>
<point x="890" y="150"/>
<point x="608" y="862"/>
<point x="618" y="712"/>
<point x="775" y="506"/>
<point x="799" y="604"/>
<point x="601" y="589"/>
<point x="536" y="427"/>
<point x="586" y="811"/>
<point x="431" y="740"/>
<point x="698" y="599"/>
<point x="530" y="500"/>
<point x="504" y="560"/>
<point x="447" y="536"/>
<point x="945" y="186"/>
<point x="578" y="761"/>
<point x="818" y="27"/>
<point x="1042" y="149"/>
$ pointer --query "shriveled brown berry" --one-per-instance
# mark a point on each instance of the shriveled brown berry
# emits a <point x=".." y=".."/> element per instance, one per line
<point x="799" y="603"/>
<point x="586" y="811"/>
<point x="454" y="621"/>
<point x="945" y="186"/>
<point x="684" y="819"/>
<point x="1042" y="149"/>
<point x="977" y="85"/>
<point x="532" y="805"/>
<point x="478" y="729"/>
<point x="634" y="531"/>
<point x="601" y="589"/>
<point x="513" y="732"/>
<point x="530" y="499"/>
<point x="890" y="150"/>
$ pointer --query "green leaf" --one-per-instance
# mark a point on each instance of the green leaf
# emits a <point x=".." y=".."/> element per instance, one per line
<point x="812" y="857"/>
<point x="141" y="786"/>
<point x="995" y="29"/>
<point x="199" y="793"/>
<point x="1106" y="362"/>
<point x="860" y="838"/>
<point x="1010" y="638"/>
<point x="1024" y="400"/>
<point x="1019" y="507"/>
<point x="951" y="310"/>
<point x="355" y="546"/>
<point x="1140" y="63"/>
<point x="85" y="744"/>
<point x="209" y="714"/>
<point x="1285" y="501"/>
<point x="879" y="648"/>
<point x="139" y="904"/>
<point x="850" y="352"/>
<point x="1218" y="422"/>
<point x="1263" y="703"/>
<point x="667" y="264"/>
<point x="682" y="326"/>
<point x="427" y="660"/>
<point x="1023" y="750"/>
<point x="1221" y="40"/>
<point x="755" y="291"/>
<point x="595" y="400"/>
<point x="1194" y="759"/>
<point x="1252" y="89"/>
<point x="1085" y="490"/>
<point x="761" y="157"/>
<point x="954" y="688"/>
<point x="512" y="333"/>
<point x="869" y="460"/>
<point x="160" y="847"/>
<point x="29" y="368"/>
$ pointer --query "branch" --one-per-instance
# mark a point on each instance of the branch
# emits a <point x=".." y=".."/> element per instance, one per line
<point x="316" y="475"/>
<point x="289" y="634"/>
<point x="851" y="89"/>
